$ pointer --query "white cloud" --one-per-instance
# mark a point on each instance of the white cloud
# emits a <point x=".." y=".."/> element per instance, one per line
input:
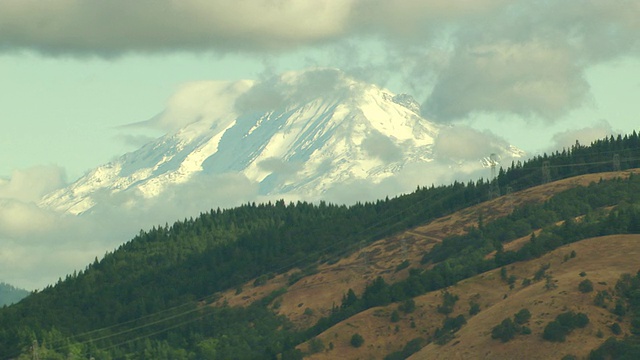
<point x="465" y="143"/>
<point x="585" y="135"/>
<point x="208" y="102"/>
<point x="31" y="184"/>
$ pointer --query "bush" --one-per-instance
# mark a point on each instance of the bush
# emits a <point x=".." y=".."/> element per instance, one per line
<point x="585" y="286"/>
<point x="616" y="329"/>
<point x="316" y="345"/>
<point x="448" y="301"/>
<point x="522" y="316"/>
<point x="474" y="308"/>
<point x="408" y="306"/>
<point x="357" y="340"/>
<point x="506" y="331"/>
<point x="554" y="331"/>
<point x="558" y="329"/>
<point x="395" y="316"/>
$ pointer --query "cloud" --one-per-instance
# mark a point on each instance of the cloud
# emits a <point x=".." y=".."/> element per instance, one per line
<point x="135" y="141"/>
<point x="113" y="27"/>
<point x="380" y="146"/>
<point x="294" y="87"/>
<point x="29" y="185"/>
<point x="207" y="102"/>
<point x="462" y="143"/>
<point x="584" y="136"/>
<point x="37" y="246"/>
<point x="532" y="78"/>
<point x="461" y="56"/>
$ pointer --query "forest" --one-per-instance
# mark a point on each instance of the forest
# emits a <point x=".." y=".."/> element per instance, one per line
<point x="148" y="298"/>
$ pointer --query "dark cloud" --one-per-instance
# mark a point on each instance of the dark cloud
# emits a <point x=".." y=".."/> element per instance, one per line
<point x="461" y="57"/>
<point x="108" y="28"/>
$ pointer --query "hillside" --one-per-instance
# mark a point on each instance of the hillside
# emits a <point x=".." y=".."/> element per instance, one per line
<point x="330" y="282"/>
<point x="10" y="294"/>
<point x="218" y="283"/>
<point x="603" y="259"/>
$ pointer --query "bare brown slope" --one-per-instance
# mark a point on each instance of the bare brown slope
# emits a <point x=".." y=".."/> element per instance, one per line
<point x="320" y="291"/>
<point x="603" y="259"/>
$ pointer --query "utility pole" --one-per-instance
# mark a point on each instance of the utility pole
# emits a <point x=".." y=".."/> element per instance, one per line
<point x="616" y="162"/>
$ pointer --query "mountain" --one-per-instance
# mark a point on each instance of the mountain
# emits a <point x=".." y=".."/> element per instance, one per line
<point x="298" y="134"/>
<point x="10" y="294"/>
<point x="437" y="269"/>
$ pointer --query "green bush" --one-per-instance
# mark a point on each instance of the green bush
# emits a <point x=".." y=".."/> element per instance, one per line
<point x="357" y="340"/>
<point x="505" y="331"/>
<point x="395" y="316"/>
<point x="585" y="286"/>
<point x="522" y="316"/>
<point x="616" y="329"/>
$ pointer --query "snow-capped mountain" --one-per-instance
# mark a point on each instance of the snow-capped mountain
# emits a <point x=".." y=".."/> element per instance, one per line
<point x="301" y="132"/>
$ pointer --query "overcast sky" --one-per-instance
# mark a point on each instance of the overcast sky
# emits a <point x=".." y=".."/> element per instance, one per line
<point x="74" y="74"/>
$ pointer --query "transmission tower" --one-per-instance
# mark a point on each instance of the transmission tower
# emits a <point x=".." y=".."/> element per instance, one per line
<point x="616" y="162"/>
<point x="34" y="350"/>
<point x="546" y="172"/>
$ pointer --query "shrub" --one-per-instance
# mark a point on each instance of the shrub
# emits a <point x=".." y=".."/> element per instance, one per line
<point x="308" y="311"/>
<point x="395" y="316"/>
<point x="505" y="331"/>
<point x="558" y="329"/>
<point x="316" y="345"/>
<point x="554" y="331"/>
<point x="522" y="316"/>
<point x="408" y="306"/>
<point x="585" y="286"/>
<point x="448" y="301"/>
<point x="474" y="308"/>
<point x="357" y="340"/>
<point x="616" y="329"/>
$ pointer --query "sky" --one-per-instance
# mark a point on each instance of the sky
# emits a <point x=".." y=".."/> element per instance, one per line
<point x="78" y="77"/>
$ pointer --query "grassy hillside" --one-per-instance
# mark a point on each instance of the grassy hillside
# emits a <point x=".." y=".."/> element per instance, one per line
<point x="602" y="259"/>
<point x="260" y="280"/>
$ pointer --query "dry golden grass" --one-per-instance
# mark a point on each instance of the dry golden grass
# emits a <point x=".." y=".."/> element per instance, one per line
<point x="604" y="259"/>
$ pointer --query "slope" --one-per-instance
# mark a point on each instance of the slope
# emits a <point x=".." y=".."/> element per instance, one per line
<point x="603" y="259"/>
<point x="123" y="303"/>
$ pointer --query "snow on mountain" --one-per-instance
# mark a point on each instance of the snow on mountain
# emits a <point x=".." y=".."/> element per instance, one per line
<point x="301" y="132"/>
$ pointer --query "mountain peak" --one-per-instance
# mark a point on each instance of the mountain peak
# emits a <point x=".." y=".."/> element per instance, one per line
<point x="300" y="134"/>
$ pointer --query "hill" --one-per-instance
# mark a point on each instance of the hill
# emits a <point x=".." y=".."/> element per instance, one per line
<point x="300" y="270"/>
<point x="602" y="259"/>
<point x="10" y="294"/>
